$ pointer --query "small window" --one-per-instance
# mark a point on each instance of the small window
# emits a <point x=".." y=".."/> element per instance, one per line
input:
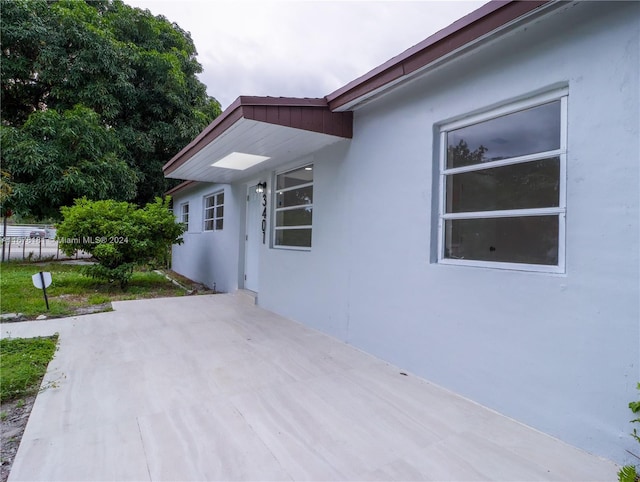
<point x="294" y="208"/>
<point x="184" y="215"/>
<point x="214" y="212"/>
<point x="502" y="187"/>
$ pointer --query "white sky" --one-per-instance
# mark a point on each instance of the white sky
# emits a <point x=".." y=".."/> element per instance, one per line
<point x="299" y="48"/>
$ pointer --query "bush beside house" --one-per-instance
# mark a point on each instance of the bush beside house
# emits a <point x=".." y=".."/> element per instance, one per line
<point x="119" y="235"/>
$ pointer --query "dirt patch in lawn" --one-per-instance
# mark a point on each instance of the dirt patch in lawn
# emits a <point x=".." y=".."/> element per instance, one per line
<point x="77" y="295"/>
<point x="13" y="419"/>
<point x="80" y="310"/>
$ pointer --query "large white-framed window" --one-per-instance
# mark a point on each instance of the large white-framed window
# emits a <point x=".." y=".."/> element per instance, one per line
<point x="214" y="211"/>
<point x="184" y="215"/>
<point x="293" y="208"/>
<point x="503" y="187"/>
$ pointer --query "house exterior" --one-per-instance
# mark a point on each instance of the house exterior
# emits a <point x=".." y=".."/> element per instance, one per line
<point x="468" y="210"/>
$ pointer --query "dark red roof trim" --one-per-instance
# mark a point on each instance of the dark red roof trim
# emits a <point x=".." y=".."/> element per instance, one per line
<point x="306" y="114"/>
<point x="471" y="27"/>
<point x="183" y="185"/>
<point x="318" y="115"/>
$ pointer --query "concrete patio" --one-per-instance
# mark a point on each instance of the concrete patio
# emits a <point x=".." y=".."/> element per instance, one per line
<point x="215" y="388"/>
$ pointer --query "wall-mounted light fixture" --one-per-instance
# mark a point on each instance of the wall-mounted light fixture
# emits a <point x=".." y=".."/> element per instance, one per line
<point x="261" y="187"/>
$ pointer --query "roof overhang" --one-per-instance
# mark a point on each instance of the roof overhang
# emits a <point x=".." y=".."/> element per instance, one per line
<point x="281" y="129"/>
<point x="285" y="129"/>
<point x="181" y="187"/>
<point x="483" y="24"/>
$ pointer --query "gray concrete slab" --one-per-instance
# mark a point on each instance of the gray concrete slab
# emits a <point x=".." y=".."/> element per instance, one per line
<point x="215" y="388"/>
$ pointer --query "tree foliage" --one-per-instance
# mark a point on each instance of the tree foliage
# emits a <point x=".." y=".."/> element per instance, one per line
<point x="118" y="235"/>
<point x="58" y="157"/>
<point x="461" y="155"/>
<point x="75" y="59"/>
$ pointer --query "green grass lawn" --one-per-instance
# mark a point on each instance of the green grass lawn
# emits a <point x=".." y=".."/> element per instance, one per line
<point x="71" y="290"/>
<point x="23" y="363"/>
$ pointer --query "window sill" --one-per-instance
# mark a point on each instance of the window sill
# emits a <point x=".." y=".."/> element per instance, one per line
<point x="518" y="267"/>
<point x="292" y="248"/>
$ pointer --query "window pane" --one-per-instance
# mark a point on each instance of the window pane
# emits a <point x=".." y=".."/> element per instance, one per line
<point x="303" y="175"/>
<point x="219" y="211"/>
<point x="518" y="186"/>
<point x="525" y="132"/>
<point x="220" y="199"/>
<point x="293" y="237"/>
<point x="295" y="197"/>
<point x="219" y="223"/>
<point x="294" y="217"/>
<point x="208" y="213"/>
<point x="527" y="239"/>
<point x="210" y="201"/>
<point x="208" y="225"/>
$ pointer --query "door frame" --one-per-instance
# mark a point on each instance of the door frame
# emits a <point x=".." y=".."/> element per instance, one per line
<point x="252" y="239"/>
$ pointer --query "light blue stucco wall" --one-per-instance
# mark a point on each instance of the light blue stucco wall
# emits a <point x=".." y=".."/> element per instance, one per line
<point x="210" y="257"/>
<point x="558" y="352"/>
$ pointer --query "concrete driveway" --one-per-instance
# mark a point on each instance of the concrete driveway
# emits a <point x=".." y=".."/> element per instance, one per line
<point x="215" y="388"/>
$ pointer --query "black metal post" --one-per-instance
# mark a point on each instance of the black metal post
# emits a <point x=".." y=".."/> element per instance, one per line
<point x="44" y="290"/>
<point x="4" y="232"/>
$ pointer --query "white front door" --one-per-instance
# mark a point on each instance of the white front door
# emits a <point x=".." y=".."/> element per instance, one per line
<point x="253" y="238"/>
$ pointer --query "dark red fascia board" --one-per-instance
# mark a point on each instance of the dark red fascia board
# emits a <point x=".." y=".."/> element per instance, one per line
<point x="318" y="114"/>
<point x="469" y="28"/>
<point x="300" y="113"/>
<point x="183" y="185"/>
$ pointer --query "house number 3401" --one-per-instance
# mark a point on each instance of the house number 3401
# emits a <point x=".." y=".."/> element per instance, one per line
<point x="264" y="217"/>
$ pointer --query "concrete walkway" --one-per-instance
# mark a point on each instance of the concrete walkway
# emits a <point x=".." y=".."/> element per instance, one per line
<point x="214" y="388"/>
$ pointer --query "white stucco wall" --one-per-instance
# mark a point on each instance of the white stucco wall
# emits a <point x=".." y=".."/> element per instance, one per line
<point x="210" y="257"/>
<point x="558" y="352"/>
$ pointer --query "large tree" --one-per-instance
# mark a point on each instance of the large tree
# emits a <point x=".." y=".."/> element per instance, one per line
<point x="96" y="97"/>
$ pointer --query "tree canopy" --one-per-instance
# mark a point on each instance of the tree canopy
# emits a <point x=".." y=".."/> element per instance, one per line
<point x="96" y="97"/>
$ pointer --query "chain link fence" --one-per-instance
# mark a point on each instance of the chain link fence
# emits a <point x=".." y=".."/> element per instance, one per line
<point x="38" y="248"/>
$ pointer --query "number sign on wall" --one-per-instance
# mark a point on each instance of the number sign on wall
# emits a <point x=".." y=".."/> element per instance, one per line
<point x="264" y="216"/>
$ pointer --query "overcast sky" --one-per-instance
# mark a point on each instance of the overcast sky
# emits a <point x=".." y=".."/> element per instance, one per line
<point x="299" y="48"/>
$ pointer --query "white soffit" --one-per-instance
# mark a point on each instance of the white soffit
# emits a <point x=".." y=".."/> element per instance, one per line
<point x="279" y="144"/>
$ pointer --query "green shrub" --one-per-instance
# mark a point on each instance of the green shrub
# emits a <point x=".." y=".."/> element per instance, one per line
<point x="118" y="235"/>
<point x="629" y="473"/>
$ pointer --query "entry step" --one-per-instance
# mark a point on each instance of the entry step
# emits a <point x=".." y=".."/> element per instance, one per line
<point x="248" y="295"/>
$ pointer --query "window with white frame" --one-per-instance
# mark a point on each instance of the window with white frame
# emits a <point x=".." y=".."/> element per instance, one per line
<point x="184" y="215"/>
<point x="214" y="212"/>
<point x="502" y="184"/>
<point x="294" y="208"/>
